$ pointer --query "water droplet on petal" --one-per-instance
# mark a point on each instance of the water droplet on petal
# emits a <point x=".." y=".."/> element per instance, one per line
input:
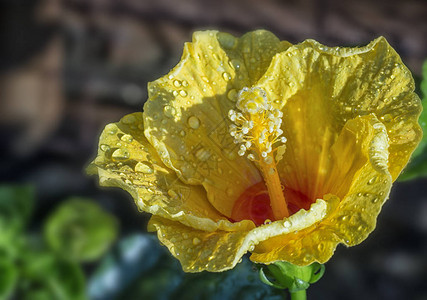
<point x="183" y="93"/>
<point x="177" y="83"/>
<point x="104" y="147"/>
<point x="120" y="154"/>
<point x="226" y="40"/>
<point x="287" y="224"/>
<point x="196" y="241"/>
<point x="232" y="95"/>
<point x="111" y="129"/>
<point x="193" y="122"/>
<point x="236" y="63"/>
<point x="226" y="76"/>
<point x="372" y="180"/>
<point x="169" y="111"/>
<point x="144" y="167"/>
<point x="127" y="138"/>
<point x="387" y="118"/>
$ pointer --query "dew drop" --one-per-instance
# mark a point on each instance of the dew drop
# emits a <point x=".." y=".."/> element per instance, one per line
<point x="232" y="95"/>
<point x="169" y="111"/>
<point x="343" y="218"/>
<point x="267" y="221"/>
<point x="111" y="129"/>
<point x="375" y="200"/>
<point x="104" y="147"/>
<point x="236" y="63"/>
<point x="193" y="122"/>
<point x="196" y="241"/>
<point x="127" y="138"/>
<point x="287" y="224"/>
<point x="226" y="76"/>
<point x="321" y="247"/>
<point x="372" y="180"/>
<point x="175" y="93"/>
<point x="120" y="154"/>
<point x="183" y="93"/>
<point x="144" y="167"/>
<point x="177" y="83"/>
<point x="182" y="133"/>
<point x="184" y="83"/>
<point x="226" y="40"/>
<point x="387" y="118"/>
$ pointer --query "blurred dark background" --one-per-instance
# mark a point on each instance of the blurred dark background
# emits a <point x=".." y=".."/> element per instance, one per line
<point x="68" y="68"/>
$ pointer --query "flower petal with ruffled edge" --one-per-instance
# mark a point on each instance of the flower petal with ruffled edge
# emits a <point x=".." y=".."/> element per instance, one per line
<point x="126" y="160"/>
<point x="198" y="250"/>
<point x="306" y="236"/>
<point x="360" y="158"/>
<point x="321" y="88"/>
<point x="350" y="117"/>
<point x="186" y="115"/>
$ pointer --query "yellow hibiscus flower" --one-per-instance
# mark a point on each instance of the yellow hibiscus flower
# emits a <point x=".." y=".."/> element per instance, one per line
<point x="254" y="144"/>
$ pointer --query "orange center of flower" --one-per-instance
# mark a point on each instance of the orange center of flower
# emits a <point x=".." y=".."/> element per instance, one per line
<point x="254" y="204"/>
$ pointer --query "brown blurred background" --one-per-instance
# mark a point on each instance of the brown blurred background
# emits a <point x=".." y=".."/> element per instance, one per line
<point x="68" y="68"/>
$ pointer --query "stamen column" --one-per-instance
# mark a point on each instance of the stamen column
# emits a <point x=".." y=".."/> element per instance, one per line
<point x="257" y="129"/>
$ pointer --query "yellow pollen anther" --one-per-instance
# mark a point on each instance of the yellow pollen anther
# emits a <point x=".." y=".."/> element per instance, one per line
<point x="257" y="129"/>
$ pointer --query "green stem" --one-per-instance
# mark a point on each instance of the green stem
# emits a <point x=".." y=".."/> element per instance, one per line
<point x="300" y="295"/>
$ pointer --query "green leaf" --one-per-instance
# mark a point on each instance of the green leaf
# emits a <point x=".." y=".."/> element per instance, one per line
<point x="16" y="205"/>
<point x="418" y="165"/>
<point x="44" y="275"/>
<point x="8" y="277"/>
<point x="80" y="230"/>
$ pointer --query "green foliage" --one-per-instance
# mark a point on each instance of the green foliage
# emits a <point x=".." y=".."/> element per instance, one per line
<point x="80" y="230"/>
<point x="8" y="277"/>
<point x="16" y="205"/>
<point x="46" y="276"/>
<point x="418" y="166"/>
<point x="32" y="269"/>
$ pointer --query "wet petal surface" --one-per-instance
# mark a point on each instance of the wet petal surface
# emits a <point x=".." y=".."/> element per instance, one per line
<point x="186" y="114"/>
<point x="126" y="160"/>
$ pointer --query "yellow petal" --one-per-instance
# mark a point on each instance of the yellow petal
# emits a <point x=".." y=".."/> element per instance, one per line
<point x="320" y="88"/>
<point x="355" y="217"/>
<point x="218" y="251"/>
<point x="186" y="115"/>
<point x="126" y="160"/>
